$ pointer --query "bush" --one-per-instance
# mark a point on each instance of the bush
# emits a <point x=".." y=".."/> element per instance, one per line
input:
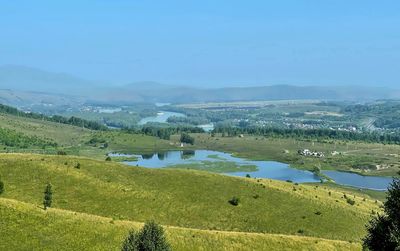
<point x="186" y="138"/>
<point x="78" y="165"/>
<point x="61" y="153"/>
<point x="108" y="158"/>
<point x="350" y="201"/>
<point x="150" y="238"/>
<point x="234" y="201"/>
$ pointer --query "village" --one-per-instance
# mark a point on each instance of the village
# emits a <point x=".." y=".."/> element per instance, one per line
<point x="307" y="152"/>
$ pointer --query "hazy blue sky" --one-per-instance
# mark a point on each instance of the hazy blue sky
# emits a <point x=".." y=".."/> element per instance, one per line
<point x="207" y="43"/>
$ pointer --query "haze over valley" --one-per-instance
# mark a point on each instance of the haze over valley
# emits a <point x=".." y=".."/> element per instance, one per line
<point x="22" y="86"/>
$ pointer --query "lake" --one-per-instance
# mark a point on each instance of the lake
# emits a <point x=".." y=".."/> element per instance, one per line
<point x="360" y="181"/>
<point x="266" y="169"/>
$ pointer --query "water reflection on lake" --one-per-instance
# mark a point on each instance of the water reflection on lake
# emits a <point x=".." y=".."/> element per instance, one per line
<point x="266" y="169"/>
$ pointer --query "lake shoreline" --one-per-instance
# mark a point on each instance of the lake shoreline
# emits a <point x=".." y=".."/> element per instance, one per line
<point x="206" y="160"/>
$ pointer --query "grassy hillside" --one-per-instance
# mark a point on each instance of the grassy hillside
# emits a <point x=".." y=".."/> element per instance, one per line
<point x="74" y="140"/>
<point x="64" y="135"/>
<point x="184" y="198"/>
<point x="31" y="228"/>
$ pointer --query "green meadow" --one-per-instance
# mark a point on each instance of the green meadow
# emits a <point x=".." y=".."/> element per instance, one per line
<point x="31" y="228"/>
<point x="187" y="199"/>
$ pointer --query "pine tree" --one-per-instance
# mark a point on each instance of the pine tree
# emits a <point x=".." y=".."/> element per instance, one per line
<point x="384" y="230"/>
<point x="150" y="238"/>
<point x="48" y="196"/>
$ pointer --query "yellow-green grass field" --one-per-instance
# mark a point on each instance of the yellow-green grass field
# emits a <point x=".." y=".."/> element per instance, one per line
<point x="28" y="227"/>
<point x="186" y="198"/>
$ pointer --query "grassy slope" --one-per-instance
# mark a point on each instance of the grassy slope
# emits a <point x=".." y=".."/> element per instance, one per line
<point x="64" y="134"/>
<point x="373" y="194"/>
<point x="73" y="139"/>
<point x="29" y="227"/>
<point x="184" y="198"/>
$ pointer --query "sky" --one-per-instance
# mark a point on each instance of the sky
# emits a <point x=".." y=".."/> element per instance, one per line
<point x="207" y="43"/>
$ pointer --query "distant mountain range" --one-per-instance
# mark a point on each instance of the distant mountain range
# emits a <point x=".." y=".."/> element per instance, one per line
<point x="21" y="85"/>
<point x="24" y="78"/>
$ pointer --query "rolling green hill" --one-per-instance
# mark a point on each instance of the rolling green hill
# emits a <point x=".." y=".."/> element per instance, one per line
<point x="75" y="140"/>
<point x="29" y="227"/>
<point x="179" y="198"/>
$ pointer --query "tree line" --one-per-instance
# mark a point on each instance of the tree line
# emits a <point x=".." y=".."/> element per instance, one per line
<point x="164" y="132"/>
<point x="386" y="138"/>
